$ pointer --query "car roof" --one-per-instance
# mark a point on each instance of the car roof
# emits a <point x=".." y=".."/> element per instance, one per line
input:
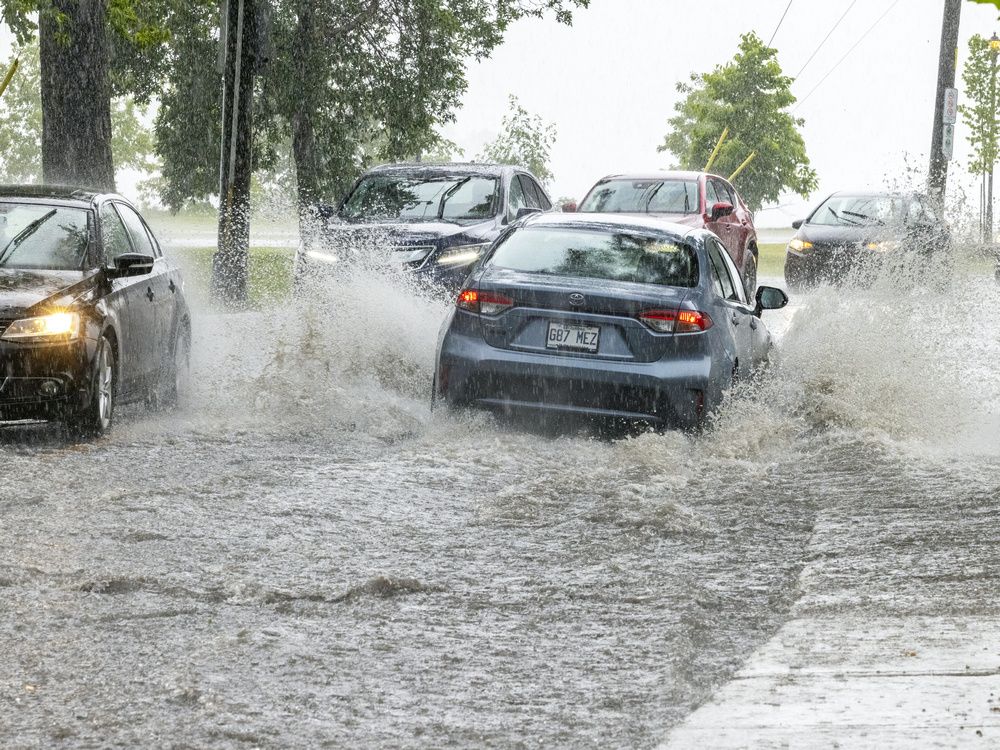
<point x="432" y="168"/>
<point x="617" y="221"/>
<point x="878" y="193"/>
<point x="677" y="174"/>
<point x="64" y="194"/>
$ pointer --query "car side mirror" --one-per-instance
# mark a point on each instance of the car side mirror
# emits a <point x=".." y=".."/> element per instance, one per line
<point x="720" y="209"/>
<point x="132" y="264"/>
<point x="326" y="211"/>
<point x="569" y="207"/>
<point x="797" y="223"/>
<point x="526" y="211"/>
<point x="769" y="298"/>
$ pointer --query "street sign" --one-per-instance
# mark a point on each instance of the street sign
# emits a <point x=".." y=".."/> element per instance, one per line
<point x="948" y="141"/>
<point x="950" y="107"/>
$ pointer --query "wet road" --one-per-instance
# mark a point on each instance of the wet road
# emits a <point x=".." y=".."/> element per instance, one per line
<point x="306" y="556"/>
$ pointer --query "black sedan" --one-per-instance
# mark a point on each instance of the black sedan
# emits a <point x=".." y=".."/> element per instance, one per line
<point x="91" y="312"/>
<point x="436" y="219"/>
<point x="863" y="230"/>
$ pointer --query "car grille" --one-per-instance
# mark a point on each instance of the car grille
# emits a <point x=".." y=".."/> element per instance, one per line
<point x="4" y="324"/>
<point x="566" y="392"/>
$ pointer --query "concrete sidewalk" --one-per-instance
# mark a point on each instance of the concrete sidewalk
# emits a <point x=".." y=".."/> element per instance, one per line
<point x="860" y="682"/>
<point x="894" y="641"/>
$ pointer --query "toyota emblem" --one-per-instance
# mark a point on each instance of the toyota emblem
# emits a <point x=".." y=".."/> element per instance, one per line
<point x="576" y="299"/>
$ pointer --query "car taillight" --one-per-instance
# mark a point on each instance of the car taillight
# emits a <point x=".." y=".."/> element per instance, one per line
<point x="676" y="321"/>
<point x="483" y="303"/>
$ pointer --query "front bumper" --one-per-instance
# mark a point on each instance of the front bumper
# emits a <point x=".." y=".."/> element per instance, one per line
<point x="675" y="392"/>
<point x="44" y="381"/>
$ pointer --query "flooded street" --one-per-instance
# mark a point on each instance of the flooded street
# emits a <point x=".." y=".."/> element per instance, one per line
<point x="307" y="556"/>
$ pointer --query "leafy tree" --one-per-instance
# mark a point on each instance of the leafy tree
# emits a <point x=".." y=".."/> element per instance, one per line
<point x="524" y="140"/>
<point x="76" y="41"/>
<point x="980" y="116"/>
<point x="350" y="83"/>
<point x="21" y="136"/>
<point x="750" y="96"/>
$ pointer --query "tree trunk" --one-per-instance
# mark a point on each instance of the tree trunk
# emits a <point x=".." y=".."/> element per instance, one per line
<point x="76" y="96"/>
<point x="230" y="265"/>
<point x="306" y="155"/>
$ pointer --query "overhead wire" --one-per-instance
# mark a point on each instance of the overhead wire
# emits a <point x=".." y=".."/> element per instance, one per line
<point x="846" y="55"/>
<point x="820" y="45"/>
<point x="780" y="21"/>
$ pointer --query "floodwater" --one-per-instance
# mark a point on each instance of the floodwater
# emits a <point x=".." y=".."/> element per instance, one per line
<point x="307" y="556"/>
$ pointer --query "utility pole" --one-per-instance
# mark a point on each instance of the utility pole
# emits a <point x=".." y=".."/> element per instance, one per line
<point x="230" y="264"/>
<point x="937" y="175"/>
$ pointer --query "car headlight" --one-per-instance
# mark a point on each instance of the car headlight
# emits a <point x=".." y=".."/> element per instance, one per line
<point x="327" y="258"/>
<point x="462" y="254"/>
<point x="55" y="326"/>
<point x="886" y="246"/>
<point x="796" y="245"/>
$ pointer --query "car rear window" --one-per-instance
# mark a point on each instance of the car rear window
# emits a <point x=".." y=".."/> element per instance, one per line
<point x="643" y="196"/>
<point x="598" y="253"/>
<point x="43" y="237"/>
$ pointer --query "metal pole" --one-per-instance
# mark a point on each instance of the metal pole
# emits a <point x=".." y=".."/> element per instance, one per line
<point x="743" y="166"/>
<point x="10" y="75"/>
<point x="715" y="151"/>
<point x="990" y="151"/>
<point x="937" y="174"/>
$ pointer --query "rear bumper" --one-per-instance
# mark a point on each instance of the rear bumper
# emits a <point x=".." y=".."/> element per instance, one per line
<point x="44" y="381"/>
<point x="671" y="392"/>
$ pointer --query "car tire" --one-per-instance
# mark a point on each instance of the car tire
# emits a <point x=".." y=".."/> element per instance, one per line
<point x="96" y="418"/>
<point x="178" y="385"/>
<point x="750" y="274"/>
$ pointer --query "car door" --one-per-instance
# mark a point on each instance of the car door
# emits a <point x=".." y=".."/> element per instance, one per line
<point x="732" y="302"/>
<point x="516" y="198"/>
<point x="727" y="227"/>
<point x="128" y="298"/>
<point x="739" y="223"/>
<point x="159" y="284"/>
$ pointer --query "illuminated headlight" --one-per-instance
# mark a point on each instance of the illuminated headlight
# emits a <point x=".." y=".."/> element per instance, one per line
<point x="798" y="246"/>
<point x="886" y="246"/>
<point x="323" y="257"/>
<point x="61" y="325"/>
<point x="462" y="254"/>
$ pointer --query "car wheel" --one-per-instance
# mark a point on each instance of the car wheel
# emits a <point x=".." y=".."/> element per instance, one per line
<point x="95" y="419"/>
<point x="750" y="275"/>
<point x="178" y="386"/>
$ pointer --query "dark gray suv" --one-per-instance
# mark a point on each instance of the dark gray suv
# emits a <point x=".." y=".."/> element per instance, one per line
<point x="436" y="219"/>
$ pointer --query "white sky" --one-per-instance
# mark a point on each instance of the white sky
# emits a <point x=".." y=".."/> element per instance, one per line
<point x="607" y="83"/>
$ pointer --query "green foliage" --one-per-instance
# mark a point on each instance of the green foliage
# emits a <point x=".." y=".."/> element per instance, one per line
<point x="349" y="84"/>
<point x="21" y="135"/>
<point x="980" y="78"/>
<point x="750" y="96"/>
<point x="524" y="141"/>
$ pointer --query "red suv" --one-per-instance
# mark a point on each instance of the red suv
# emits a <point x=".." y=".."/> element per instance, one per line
<point x="695" y="199"/>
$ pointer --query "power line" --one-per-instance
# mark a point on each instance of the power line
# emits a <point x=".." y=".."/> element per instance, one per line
<point x="780" y="20"/>
<point x="846" y="55"/>
<point x="820" y="45"/>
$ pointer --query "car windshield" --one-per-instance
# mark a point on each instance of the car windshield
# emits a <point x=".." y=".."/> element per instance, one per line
<point x="643" y="196"/>
<point x="598" y="253"/>
<point x="458" y="198"/>
<point x="43" y="237"/>
<point x="864" y="210"/>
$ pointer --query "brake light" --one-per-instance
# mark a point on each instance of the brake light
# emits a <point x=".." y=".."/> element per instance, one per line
<point x="676" y="321"/>
<point x="483" y="303"/>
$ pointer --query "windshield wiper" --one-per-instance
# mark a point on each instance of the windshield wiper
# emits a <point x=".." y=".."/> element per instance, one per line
<point x="863" y="217"/>
<point x="450" y="192"/>
<point x="653" y="195"/>
<point x="838" y="217"/>
<point x="24" y="234"/>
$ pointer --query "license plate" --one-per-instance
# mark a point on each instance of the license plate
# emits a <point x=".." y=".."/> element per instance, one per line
<point x="567" y="336"/>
